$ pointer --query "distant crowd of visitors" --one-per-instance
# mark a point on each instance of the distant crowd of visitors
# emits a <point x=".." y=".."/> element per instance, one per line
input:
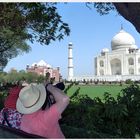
<point x="35" y="108"/>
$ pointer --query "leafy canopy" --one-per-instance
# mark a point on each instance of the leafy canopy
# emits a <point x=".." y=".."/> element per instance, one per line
<point x="22" y="22"/>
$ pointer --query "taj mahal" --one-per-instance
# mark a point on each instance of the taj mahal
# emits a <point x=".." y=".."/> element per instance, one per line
<point x="119" y="64"/>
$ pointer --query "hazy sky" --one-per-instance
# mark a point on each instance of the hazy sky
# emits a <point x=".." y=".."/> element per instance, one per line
<point x="90" y="33"/>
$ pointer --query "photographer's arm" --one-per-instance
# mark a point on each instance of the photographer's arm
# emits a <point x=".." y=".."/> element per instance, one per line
<point x="62" y="100"/>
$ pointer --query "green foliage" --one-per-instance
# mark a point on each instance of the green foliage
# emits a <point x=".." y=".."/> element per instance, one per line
<point x="104" y="8"/>
<point x="2" y="75"/>
<point x="20" y="22"/>
<point x="68" y="87"/>
<point x="74" y="132"/>
<point x="40" y="79"/>
<point x="1" y="101"/>
<point x="13" y="77"/>
<point x="3" y="95"/>
<point x="75" y="93"/>
<point x="129" y="81"/>
<point x="107" y="118"/>
<point x="76" y="82"/>
<point x="11" y="45"/>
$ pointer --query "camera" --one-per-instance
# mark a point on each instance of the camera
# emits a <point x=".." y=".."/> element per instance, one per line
<point x="50" y="99"/>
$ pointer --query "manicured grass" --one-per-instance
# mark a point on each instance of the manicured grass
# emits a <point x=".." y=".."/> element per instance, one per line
<point x="97" y="90"/>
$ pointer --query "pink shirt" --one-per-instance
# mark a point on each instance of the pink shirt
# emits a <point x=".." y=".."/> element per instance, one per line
<point x="43" y="123"/>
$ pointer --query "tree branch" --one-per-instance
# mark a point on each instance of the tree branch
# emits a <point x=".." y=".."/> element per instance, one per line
<point x="131" y="12"/>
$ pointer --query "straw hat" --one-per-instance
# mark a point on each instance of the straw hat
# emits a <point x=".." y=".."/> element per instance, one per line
<point x="31" y="98"/>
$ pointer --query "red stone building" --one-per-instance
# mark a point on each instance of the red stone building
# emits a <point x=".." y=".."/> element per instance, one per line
<point x="41" y="68"/>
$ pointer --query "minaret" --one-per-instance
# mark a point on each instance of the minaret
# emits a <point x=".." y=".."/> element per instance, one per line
<point x="70" y="62"/>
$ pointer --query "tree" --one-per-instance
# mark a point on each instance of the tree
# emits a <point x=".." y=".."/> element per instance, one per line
<point x="11" y="45"/>
<point x="130" y="11"/>
<point x="20" y="22"/>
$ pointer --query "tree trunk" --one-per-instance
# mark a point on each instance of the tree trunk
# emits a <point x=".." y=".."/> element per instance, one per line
<point x="131" y="12"/>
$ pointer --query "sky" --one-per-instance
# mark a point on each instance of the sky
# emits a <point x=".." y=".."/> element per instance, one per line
<point x="90" y="33"/>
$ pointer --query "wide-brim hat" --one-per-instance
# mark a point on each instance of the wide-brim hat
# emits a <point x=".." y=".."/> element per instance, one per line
<point x="31" y="98"/>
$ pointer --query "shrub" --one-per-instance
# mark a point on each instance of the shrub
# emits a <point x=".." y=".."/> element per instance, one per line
<point x="3" y="95"/>
<point x="108" y="118"/>
<point x="68" y="87"/>
<point x="129" y="81"/>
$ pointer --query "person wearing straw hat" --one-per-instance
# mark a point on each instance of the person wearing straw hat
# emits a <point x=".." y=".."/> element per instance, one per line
<point x="37" y="121"/>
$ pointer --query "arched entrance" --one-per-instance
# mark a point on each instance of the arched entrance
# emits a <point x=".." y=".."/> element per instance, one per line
<point x="116" y="67"/>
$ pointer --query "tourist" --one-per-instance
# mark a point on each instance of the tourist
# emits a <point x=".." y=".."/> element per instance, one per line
<point x="43" y="122"/>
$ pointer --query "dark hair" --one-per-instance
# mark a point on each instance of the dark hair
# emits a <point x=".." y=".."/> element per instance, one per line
<point x="48" y="100"/>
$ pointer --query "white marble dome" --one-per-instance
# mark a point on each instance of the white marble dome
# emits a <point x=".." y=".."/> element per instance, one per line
<point x="122" y="40"/>
<point x="105" y="50"/>
<point x="41" y="63"/>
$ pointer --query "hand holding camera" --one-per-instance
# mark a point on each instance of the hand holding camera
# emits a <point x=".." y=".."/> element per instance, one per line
<point x="50" y="98"/>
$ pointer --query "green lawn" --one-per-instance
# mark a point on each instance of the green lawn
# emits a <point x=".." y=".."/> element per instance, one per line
<point x="97" y="90"/>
